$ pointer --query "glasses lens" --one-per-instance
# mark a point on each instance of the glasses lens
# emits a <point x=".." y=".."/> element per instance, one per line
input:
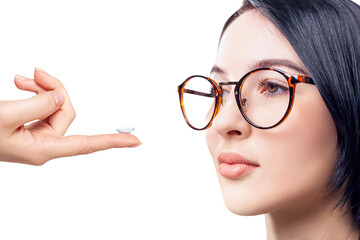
<point x="265" y="97"/>
<point x="199" y="101"/>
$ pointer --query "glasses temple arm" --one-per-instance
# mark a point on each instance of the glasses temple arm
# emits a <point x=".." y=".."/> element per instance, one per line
<point x="309" y="80"/>
<point x="303" y="79"/>
<point x="198" y="93"/>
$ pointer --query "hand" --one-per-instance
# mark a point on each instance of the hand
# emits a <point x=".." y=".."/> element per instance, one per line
<point x="43" y="140"/>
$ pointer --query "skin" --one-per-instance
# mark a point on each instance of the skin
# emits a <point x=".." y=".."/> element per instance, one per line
<point x="52" y="113"/>
<point x="296" y="158"/>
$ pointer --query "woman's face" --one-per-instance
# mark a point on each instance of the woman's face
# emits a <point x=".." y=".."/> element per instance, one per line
<point x="294" y="160"/>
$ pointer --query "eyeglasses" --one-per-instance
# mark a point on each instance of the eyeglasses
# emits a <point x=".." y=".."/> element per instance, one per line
<point x="264" y="96"/>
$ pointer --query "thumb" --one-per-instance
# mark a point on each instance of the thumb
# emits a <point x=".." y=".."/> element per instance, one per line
<point x="16" y="113"/>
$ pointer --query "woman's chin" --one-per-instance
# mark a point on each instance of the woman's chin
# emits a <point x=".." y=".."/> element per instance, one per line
<point x="244" y="209"/>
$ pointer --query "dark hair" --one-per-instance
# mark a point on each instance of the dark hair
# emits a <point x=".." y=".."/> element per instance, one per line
<point x="326" y="36"/>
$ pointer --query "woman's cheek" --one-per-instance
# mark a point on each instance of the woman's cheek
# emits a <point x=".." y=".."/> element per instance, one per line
<point x="212" y="140"/>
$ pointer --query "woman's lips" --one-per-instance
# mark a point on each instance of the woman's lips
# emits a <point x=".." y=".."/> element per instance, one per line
<point x="233" y="165"/>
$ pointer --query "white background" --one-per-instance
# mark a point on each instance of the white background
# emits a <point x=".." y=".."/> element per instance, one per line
<point x="121" y="62"/>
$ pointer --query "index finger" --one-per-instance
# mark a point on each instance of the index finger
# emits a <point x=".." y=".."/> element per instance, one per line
<point x="81" y="144"/>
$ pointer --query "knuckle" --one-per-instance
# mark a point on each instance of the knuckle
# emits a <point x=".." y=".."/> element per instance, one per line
<point x="50" y="99"/>
<point x="88" y="149"/>
<point x="112" y="142"/>
<point x="59" y="83"/>
<point x="48" y="102"/>
<point x="73" y="114"/>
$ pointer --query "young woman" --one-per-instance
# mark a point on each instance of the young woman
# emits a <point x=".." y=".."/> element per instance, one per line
<point x="282" y="114"/>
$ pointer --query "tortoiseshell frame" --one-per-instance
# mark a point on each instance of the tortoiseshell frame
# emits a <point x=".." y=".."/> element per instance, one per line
<point x="291" y="79"/>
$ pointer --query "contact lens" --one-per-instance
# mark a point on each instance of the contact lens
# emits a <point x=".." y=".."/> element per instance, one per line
<point x="125" y="130"/>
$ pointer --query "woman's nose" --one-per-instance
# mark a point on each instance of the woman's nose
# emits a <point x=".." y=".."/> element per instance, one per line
<point x="229" y="121"/>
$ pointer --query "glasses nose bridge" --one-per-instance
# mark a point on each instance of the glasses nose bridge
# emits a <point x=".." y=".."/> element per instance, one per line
<point x="230" y="105"/>
<point x="226" y="84"/>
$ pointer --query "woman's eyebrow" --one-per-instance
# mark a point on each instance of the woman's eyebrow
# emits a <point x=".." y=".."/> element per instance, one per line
<point x="217" y="69"/>
<point x="279" y="62"/>
<point x="266" y="63"/>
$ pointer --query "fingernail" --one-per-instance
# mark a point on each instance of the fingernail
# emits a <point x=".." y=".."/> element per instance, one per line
<point x="59" y="98"/>
<point x="40" y="70"/>
<point x="22" y="78"/>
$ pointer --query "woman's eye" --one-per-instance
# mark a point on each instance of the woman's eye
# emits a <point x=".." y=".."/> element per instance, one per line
<point x="270" y="87"/>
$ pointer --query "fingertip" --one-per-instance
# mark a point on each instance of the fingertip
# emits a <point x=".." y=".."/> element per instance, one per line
<point x="136" y="145"/>
<point x="43" y="79"/>
<point x="40" y="70"/>
<point x="133" y="141"/>
<point x="17" y="82"/>
<point x="126" y="140"/>
<point x="20" y="81"/>
<point x="21" y="78"/>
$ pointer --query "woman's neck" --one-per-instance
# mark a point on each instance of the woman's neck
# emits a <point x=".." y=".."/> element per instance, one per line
<point x="311" y="221"/>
